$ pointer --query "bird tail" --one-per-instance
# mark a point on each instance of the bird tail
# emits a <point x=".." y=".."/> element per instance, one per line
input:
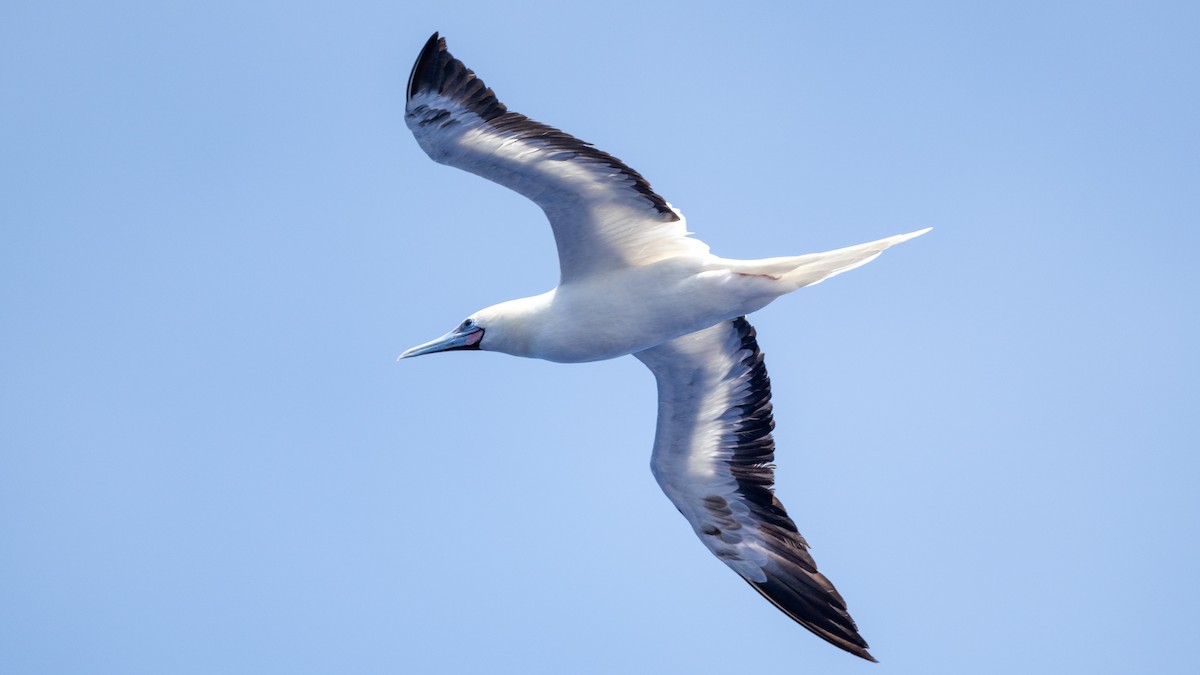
<point x="805" y="270"/>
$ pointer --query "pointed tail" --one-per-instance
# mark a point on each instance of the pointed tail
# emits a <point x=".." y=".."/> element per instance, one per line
<point x="806" y="270"/>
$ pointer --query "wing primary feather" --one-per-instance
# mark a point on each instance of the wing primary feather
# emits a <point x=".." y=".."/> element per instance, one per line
<point x="437" y="71"/>
<point x="716" y="464"/>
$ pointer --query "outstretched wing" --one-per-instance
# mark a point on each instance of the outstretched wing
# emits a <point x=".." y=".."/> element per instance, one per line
<point x="603" y="213"/>
<point x="712" y="456"/>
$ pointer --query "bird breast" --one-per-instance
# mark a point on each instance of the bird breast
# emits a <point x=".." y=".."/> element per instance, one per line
<point x="633" y="309"/>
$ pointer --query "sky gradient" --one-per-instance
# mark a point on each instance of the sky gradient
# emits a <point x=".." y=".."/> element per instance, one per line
<point x="216" y="235"/>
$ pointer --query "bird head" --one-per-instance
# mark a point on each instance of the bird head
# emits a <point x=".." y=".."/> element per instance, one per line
<point x="511" y="328"/>
<point x="467" y="335"/>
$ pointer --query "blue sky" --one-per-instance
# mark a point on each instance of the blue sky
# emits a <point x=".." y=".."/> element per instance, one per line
<point x="217" y="235"/>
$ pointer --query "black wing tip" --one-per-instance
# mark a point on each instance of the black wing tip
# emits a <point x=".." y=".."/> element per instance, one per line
<point x="422" y="70"/>
<point x="436" y="70"/>
<point x="829" y="623"/>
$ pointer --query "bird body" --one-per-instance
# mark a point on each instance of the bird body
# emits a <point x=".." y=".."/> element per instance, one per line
<point x="632" y="281"/>
<point x="606" y="315"/>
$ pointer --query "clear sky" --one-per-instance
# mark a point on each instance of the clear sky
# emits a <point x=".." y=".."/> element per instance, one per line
<point x="216" y="235"/>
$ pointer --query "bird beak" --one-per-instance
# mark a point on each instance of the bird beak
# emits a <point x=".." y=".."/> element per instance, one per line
<point x="467" y="339"/>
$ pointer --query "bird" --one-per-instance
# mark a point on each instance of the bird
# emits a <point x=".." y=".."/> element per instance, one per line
<point x="633" y="281"/>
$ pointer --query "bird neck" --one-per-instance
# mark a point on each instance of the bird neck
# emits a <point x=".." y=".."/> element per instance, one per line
<point x="513" y="327"/>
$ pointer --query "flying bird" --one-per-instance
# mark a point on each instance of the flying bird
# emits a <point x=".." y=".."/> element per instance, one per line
<point x="632" y="281"/>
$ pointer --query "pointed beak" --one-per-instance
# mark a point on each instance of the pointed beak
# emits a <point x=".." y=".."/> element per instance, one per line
<point x="455" y="339"/>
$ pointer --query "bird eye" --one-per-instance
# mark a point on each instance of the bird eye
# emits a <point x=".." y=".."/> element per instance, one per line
<point x="467" y="325"/>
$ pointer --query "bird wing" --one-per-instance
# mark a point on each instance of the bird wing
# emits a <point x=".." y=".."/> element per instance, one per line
<point x="603" y="213"/>
<point x="712" y="456"/>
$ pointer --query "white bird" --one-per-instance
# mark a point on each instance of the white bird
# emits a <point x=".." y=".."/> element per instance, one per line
<point x="633" y="282"/>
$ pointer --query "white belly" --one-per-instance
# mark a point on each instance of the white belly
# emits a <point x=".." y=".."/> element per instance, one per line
<point x="638" y="308"/>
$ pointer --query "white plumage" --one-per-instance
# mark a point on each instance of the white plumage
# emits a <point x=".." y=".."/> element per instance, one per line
<point x="633" y="282"/>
